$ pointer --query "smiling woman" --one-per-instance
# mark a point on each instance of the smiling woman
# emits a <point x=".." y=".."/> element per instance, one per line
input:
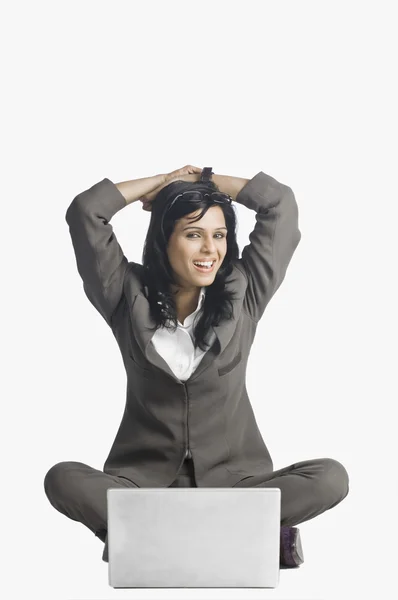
<point x="185" y="333"/>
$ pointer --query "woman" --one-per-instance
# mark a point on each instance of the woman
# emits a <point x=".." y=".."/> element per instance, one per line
<point x="185" y="321"/>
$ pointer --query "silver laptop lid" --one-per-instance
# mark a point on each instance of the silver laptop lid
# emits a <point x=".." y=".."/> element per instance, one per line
<point x="194" y="537"/>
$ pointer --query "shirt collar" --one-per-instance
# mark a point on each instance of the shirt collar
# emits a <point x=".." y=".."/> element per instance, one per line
<point x="190" y="319"/>
<point x="201" y="297"/>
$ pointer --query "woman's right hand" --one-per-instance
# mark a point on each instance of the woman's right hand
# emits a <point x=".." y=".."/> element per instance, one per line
<point x="187" y="173"/>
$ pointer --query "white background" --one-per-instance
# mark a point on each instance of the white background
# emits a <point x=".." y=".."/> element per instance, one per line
<point x="304" y="91"/>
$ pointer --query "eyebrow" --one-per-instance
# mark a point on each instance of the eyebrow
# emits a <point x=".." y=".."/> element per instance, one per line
<point x="201" y="228"/>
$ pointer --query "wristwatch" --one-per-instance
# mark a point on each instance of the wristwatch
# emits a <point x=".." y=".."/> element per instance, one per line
<point x="206" y="174"/>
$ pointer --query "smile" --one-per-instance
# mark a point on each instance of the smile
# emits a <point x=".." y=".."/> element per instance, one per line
<point x="204" y="269"/>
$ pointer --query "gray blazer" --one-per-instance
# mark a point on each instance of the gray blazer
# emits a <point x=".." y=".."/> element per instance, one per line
<point x="210" y="413"/>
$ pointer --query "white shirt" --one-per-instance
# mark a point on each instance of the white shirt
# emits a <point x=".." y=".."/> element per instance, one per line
<point x="177" y="347"/>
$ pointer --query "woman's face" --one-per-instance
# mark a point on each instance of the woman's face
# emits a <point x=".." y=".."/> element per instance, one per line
<point x="204" y="240"/>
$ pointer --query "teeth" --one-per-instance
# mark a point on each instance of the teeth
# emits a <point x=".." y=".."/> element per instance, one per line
<point x="200" y="264"/>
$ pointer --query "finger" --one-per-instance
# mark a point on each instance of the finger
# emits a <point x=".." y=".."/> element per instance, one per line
<point x="191" y="169"/>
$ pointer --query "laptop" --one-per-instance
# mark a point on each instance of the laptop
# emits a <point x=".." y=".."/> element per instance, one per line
<point x="193" y="537"/>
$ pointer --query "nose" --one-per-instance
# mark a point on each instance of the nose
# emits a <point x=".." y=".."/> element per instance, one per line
<point x="209" y="246"/>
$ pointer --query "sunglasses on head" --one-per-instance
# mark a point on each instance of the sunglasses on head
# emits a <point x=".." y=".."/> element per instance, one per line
<point x="198" y="196"/>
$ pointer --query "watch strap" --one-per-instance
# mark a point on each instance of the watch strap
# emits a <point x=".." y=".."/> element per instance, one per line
<point x="206" y="174"/>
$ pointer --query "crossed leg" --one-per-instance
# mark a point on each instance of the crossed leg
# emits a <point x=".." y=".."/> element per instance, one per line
<point x="79" y="492"/>
<point x="308" y="488"/>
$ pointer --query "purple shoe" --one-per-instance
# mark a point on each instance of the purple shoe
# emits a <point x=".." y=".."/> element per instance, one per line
<point x="291" y="551"/>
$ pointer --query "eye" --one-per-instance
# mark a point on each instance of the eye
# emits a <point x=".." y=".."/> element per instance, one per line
<point x="221" y="234"/>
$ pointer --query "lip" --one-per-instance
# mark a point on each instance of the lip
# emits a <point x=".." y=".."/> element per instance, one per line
<point x="204" y="259"/>
<point x="204" y="270"/>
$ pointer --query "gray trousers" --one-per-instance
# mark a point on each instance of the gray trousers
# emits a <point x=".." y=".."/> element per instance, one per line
<point x="308" y="488"/>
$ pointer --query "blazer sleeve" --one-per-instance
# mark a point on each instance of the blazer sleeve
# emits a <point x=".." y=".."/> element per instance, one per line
<point x="273" y="240"/>
<point x="99" y="257"/>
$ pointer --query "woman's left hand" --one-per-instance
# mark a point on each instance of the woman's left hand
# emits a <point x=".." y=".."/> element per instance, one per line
<point x="180" y="173"/>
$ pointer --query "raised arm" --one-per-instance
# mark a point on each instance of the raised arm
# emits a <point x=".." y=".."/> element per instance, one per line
<point x="100" y="260"/>
<point x="273" y="240"/>
<point x="99" y="257"/>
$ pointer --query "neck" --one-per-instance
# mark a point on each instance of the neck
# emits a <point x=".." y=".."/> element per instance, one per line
<point x="183" y="292"/>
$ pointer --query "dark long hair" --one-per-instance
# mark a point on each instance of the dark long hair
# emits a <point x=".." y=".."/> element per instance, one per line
<point x="157" y="272"/>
